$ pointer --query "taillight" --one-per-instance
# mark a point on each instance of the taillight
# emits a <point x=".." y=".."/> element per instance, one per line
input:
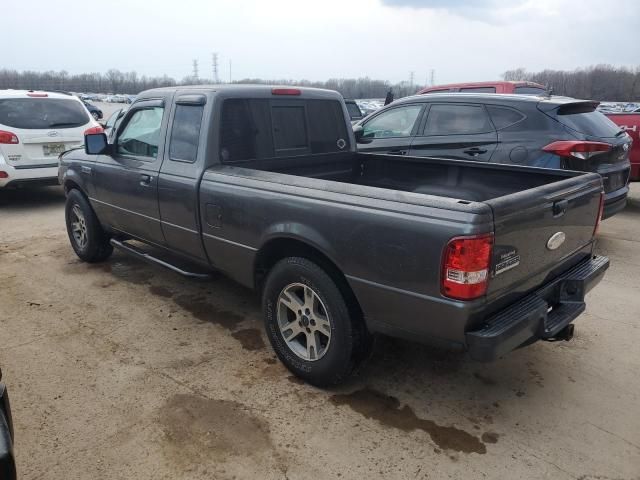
<point x="8" y="137"/>
<point x="577" y="149"/>
<point x="33" y="94"/>
<point x="465" y="267"/>
<point x="92" y="130"/>
<point x="285" y="91"/>
<point x="4" y="174"/>
<point x="600" y="212"/>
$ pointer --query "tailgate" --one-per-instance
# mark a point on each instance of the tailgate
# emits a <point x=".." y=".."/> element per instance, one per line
<point x="538" y="230"/>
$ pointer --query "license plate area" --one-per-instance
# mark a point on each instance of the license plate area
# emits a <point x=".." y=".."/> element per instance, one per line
<point x="51" y="149"/>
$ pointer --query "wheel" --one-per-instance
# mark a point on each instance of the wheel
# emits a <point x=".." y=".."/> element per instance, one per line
<point x="309" y="323"/>
<point x="95" y="115"/>
<point x="87" y="237"/>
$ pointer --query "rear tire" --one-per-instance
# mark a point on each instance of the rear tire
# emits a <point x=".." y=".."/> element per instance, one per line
<point x="309" y="324"/>
<point x="88" y="239"/>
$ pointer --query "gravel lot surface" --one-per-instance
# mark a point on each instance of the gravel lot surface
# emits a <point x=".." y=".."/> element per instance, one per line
<point x="126" y="371"/>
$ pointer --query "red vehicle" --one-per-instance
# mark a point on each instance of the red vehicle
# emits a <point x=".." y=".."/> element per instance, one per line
<point x="520" y="87"/>
<point x="630" y="122"/>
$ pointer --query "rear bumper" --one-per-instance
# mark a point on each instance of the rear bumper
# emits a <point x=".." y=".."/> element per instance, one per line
<point x="38" y="175"/>
<point x="615" y="202"/>
<point x="540" y="315"/>
<point x="7" y="460"/>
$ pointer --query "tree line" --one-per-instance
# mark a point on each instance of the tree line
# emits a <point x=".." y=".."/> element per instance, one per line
<point x="115" y="81"/>
<point x="598" y="82"/>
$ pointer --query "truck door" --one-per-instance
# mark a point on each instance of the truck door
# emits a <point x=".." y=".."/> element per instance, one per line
<point x="456" y="130"/>
<point x="391" y="131"/>
<point x="179" y="179"/>
<point x="126" y="182"/>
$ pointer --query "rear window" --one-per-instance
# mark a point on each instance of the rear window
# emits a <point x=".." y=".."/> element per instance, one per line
<point x="530" y="91"/>
<point x="255" y="129"/>
<point x="594" y="123"/>
<point x="478" y="90"/>
<point x="451" y="119"/>
<point x="42" y="113"/>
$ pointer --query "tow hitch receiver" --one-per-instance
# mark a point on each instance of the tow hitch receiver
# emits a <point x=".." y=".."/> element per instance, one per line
<point x="566" y="334"/>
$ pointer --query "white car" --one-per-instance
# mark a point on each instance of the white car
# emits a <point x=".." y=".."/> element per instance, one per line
<point x="36" y="127"/>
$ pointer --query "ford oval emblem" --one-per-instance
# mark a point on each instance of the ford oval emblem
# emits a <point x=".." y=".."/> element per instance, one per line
<point x="556" y="240"/>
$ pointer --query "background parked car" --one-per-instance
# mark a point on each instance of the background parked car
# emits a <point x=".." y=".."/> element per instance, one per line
<point x="518" y="87"/>
<point x="548" y="132"/>
<point x="630" y="122"/>
<point x="7" y="460"/>
<point x="36" y="127"/>
<point x="95" y="112"/>
<point x="355" y="113"/>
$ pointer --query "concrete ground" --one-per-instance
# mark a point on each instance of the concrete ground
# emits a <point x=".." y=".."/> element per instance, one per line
<point x="127" y="371"/>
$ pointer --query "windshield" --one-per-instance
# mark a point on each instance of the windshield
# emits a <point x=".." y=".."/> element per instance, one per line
<point x="42" y="113"/>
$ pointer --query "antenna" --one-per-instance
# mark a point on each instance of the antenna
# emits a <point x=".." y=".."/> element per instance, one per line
<point x="195" y="70"/>
<point x="214" y="65"/>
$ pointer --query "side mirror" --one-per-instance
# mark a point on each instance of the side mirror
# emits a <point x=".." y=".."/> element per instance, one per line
<point x="358" y="132"/>
<point x="96" y="144"/>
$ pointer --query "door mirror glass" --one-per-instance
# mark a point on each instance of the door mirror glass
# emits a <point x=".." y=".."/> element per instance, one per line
<point x="95" y="144"/>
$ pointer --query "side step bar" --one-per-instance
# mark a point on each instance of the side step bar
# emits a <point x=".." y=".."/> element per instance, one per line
<point x="156" y="261"/>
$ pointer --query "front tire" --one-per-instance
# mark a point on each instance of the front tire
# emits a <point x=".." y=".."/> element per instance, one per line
<point x="86" y="235"/>
<point x="309" y="324"/>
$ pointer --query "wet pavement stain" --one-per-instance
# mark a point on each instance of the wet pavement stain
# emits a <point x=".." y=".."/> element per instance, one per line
<point x="490" y="437"/>
<point x="386" y="410"/>
<point x="198" y="428"/>
<point x="207" y="312"/>
<point x="250" y="338"/>
<point x="484" y="379"/>
<point x="160" y="291"/>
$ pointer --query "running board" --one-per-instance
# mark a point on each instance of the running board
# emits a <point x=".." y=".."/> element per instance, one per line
<point x="156" y="261"/>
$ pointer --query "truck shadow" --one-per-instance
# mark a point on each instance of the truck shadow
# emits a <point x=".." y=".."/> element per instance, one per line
<point x="30" y="197"/>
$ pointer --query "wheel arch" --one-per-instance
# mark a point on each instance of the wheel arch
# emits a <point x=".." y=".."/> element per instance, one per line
<point x="276" y="249"/>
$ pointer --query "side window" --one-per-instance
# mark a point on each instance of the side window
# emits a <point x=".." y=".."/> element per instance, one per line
<point x="454" y="119"/>
<point x="185" y="133"/>
<point x="289" y="127"/>
<point x="141" y="134"/>
<point x="397" y="122"/>
<point x="503" y="117"/>
<point x="478" y="90"/>
<point x="530" y="91"/>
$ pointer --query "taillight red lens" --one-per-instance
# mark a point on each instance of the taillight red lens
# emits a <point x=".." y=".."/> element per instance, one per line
<point x="4" y="174"/>
<point x="600" y="212"/>
<point x="37" y="94"/>
<point x="285" y="91"/>
<point x="576" y="149"/>
<point x="91" y="130"/>
<point x="465" y="267"/>
<point x="8" y="137"/>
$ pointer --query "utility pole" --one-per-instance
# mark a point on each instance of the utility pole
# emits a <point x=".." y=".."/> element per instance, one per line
<point x="214" y="64"/>
<point x="195" y="70"/>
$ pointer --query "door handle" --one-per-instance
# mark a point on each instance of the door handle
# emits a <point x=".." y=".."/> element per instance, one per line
<point x="475" y="151"/>
<point x="397" y="152"/>
<point x="145" y="180"/>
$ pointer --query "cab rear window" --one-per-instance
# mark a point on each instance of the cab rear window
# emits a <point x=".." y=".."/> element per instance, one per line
<point x="256" y="129"/>
<point x="42" y="113"/>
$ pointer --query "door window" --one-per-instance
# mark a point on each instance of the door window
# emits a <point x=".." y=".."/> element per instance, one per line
<point x="455" y="119"/>
<point x="397" y="122"/>
<point x="185" y="133"/>
<point x="141" y="134"/>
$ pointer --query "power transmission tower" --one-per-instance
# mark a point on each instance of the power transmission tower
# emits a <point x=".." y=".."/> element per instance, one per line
<point x="432" y="75"/>
<point x="230" y="71"/>
<point x="411" y="75"/>
<point x="195" y="70"/>
<point x="214" y="64"/>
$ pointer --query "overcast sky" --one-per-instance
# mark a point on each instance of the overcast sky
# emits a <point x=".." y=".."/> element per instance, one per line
<point x="461" y="40"/>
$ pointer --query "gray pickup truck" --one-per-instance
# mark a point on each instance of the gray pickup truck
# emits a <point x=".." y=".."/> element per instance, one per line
<point x="264" y="184"/>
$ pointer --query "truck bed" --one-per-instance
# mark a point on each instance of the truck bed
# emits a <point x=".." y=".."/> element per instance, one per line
<point x="460" y="180"/>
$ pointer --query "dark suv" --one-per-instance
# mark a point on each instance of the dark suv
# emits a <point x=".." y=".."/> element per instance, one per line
<point x="548" y="132"/>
